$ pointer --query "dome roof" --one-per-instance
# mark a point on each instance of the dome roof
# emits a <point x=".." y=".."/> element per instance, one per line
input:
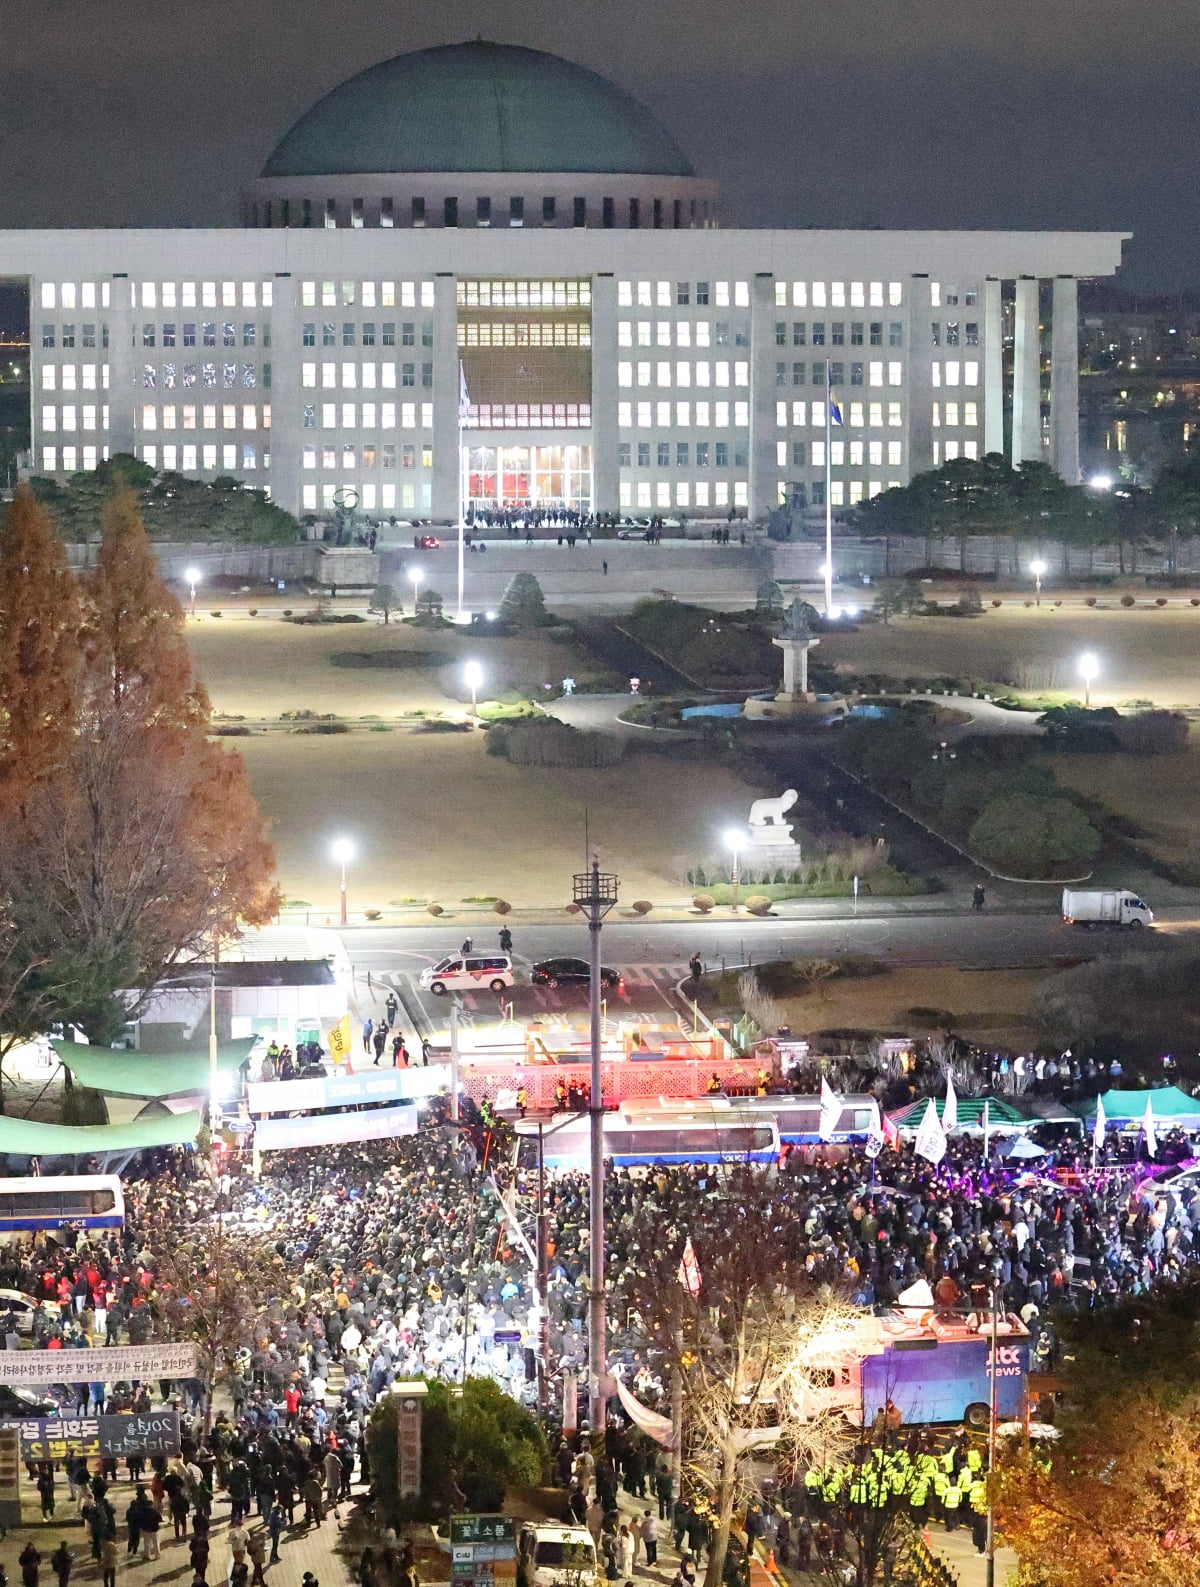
<point x="476" y="107"/>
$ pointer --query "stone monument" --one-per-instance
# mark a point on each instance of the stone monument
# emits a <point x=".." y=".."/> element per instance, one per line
<point x="771" y="842"/>
<point x="795" y="639"/>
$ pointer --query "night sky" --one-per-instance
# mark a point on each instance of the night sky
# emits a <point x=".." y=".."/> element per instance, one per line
<point x="922" y="113"/>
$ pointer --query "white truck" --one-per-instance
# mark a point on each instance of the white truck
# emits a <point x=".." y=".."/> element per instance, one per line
<point x="1098" y="907"/>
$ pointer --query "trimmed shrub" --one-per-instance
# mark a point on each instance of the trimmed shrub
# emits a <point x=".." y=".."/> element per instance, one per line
<point x="434" y="909"/>
<point x="1160" y="600"/>
<point x="703" y="902"/>
<point x="287" y="611"/>
<point x="253" y="612"/>
<point x="1195" y="601"/>
<point x="502" y="907"/>
<point x="1127" y="600"/>
<point x="214" y="614"/>
<point x="996" y="601"/>
<point x="232" y="732"/>
<point x="641" y="906"/>
<point x="372" y="914"/>
<point x="758" y="904"/>
<point x="1089" y="600"/>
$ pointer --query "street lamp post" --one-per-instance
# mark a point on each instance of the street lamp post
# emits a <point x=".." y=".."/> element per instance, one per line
<point x="193" y="577"/>
<point x="734" y="841"/>
<point x="473" y="678"/>
<point x="343" y="853"/>
<point x="1037" y="568"/>
<point x="415" y="576"/>
<point x="1089" y="666"/>
<point x="596" y="893"/>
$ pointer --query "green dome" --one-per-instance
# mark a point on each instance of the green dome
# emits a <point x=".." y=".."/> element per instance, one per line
<point x="476" y="107"/>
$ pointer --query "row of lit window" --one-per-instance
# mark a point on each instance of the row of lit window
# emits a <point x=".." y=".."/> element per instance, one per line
<point x="70" y="459"/>
<point x="679" y="454"/>
<point x="687" y="333"/>
<point x="233" y="417"/>
<point x="664" y="295"/>
<point x="835" y="372"/>
<point x="72" y="295"/>
<point x="952" y="370"/>
<point x="548" y="333"/>
<point x="707" y="415"/>
<point x="837" y="294"/>
<point x="190" y="458"/>
<point x="841" y="492"/>
<point x="355" y="375"/>
<point x="947" y="451"/>
<point x="371" y="294"/>
<point x="527" y="416"/>
<point x="388" y="496"/>
<point x="347" y="455"/>
<point x="804" y="454"/>
<point x="186" y="375"/>
<point x="62" y="377"/>
<point x="947" y="413"/>
<point x="162" y="294"/>
<point x="352" y="416"/>
<point x="64" y="335"/>
<point x="351" y="331"/>
<point x="208" y="334"/>
<point x="798" y="333"/>
<point x="685" y="493"/>
<point x="69" y="417"/>
<point x="857" y="415"/>
<point x="706" y="374"/>
<point x="523" y="294"/>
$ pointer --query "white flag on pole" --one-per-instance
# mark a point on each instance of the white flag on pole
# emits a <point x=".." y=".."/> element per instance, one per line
<point x="874" y="1142"/>
<point x="1148" y="1126"/>
<point x="1098" y="1126"/>
<point x="931" y="1138"/>
<point x="986" y="1129"/>
<point x="950" y="1106"/>
<point x="831" y="1110"/>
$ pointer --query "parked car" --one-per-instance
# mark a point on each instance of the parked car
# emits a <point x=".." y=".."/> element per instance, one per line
<point x="557" y="1556"/>
<point x="467" y="973"/>
<point x="631" y="534"/>
<point x="426" y="543"/>
<point x="1095" y="907"/>
<point x="573" y="972"/>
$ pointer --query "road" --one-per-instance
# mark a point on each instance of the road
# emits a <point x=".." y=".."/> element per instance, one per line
<point x="653" y="956"/>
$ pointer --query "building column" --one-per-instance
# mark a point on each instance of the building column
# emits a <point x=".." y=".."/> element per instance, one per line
<point x="1027" y="376"/>
<point x="444" y="500"/>
<point x="125" y="377"/>
<point x="765" y="434"/>
<point x="1064" y="380"/>
<point x="606" y="473"/>
<point x="993" y="367"/>
<point x="918" y="382"/>
<point x="286" y="437"/>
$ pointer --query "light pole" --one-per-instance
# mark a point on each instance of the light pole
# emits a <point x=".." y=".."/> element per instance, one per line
<point x="343" y="853"/>
<point x="993" y="1411"/>
<point x="415" y="576"/>
<point x="596" y="893"/>
<point x="1037" y="568"/>
<point x="193" y="577"/>
<point x="1089" y="666"/>
<point x="473" y="678"/>
<point x="735" y="841"/>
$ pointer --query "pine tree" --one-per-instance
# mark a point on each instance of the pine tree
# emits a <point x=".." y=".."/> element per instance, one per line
<point x="522" y="603"/>
<point x="39" y="649"/>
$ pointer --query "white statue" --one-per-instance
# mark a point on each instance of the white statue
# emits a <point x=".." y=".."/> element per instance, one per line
<point x="766" y="817"/>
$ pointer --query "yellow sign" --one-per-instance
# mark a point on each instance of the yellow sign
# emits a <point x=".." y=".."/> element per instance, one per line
<point x="339" y="1041"/>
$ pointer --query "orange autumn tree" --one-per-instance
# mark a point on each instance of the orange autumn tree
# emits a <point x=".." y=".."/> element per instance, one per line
<point x="139" y="840"/>
<point x="1116" y="1500"/>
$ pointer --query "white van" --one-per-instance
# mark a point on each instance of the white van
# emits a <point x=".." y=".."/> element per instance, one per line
<point x="468" y="972"/>
<point x="557" y="1556"/>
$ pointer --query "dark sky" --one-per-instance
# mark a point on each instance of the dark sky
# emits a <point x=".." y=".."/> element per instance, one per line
<point x="924" y="113"/>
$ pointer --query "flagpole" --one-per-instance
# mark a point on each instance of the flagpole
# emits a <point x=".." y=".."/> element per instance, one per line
<point x="828" y="490"/>
<point x="463" y="484"/>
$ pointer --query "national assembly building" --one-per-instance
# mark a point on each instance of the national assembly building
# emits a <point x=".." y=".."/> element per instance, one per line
<point x="483" y="273"/>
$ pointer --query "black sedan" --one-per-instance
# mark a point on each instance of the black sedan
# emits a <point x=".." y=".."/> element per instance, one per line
<point x="573" y="972"/>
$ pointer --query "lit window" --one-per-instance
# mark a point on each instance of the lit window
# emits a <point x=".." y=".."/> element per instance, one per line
<point x="168" y="416"/>
<point x="625" y="415"/>
<point x="875" y="412"/>
<point x="895" y="450"/>
<point x="875" y="374"/>
<point x="970" y="373"/>
<point x="875" y="452"/>
<point x="624" y="374"/>
<point x="308" y="374"/>
<point x="970" y="414"/>
<point x="894" y="374"/>
<point x="894" y="415"/>
<point x="895" y="295"/>
<point x="952" y="371"/>
<point x="683" y="374"/>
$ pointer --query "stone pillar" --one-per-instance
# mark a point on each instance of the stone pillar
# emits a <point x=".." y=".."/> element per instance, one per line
<point x="606" y="473"/>
<point x="765" y="472"/>
<point x="795" y="666"/>
<point x="125" y="373"/>
<point x="918" y="382"/>
<point x="993" y="367"/>
<point x="1027" y="376"/>
<point x="287" y="434"/>
<point x="444" y="507"/>
<point x="1064" y="380"/>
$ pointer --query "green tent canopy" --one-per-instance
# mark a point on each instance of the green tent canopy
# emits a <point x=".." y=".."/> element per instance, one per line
<point x="1167" y="1103"/>
<point x="1002" y="1113"/>
<point x="27" y="1138"/>
<point x="135" y="1074"/>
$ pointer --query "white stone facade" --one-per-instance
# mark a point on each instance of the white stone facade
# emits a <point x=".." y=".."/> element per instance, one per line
<point x="624" y="370"/>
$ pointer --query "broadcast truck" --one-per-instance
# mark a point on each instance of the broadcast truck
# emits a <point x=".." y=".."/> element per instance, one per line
<point x="1098" y="907"/>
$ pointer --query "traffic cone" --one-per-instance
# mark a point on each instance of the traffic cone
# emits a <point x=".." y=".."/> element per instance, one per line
<point x="771" y="1567"/>
<point x="925" y="1538"/>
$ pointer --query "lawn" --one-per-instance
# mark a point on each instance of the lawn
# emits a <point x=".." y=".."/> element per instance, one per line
<point x="435" y="817"/>
<point x="1158" y="796"/>
<point x="1144" y="654"/>
<point x="990" y="1007"/>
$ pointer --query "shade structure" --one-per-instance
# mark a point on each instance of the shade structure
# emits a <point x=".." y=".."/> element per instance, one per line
<point x="135" y="1074"/>
<point x="1002" y="1113"/>
<point x="1168" y="1104"/>
<point x="28" y="1138"/>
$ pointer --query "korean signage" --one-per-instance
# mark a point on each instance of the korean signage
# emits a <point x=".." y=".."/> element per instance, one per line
<point x="134" y="1433"/>
<point x="482" y="1548"/>
<point x="347" y="1090"/>
<point x="325" y="1129"/>
<point x="409" y="1416"/>
<point x="121" y="1364"/>
<point x="10" y="1478"/>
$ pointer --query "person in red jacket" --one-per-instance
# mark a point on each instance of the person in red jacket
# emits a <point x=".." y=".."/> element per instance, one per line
<point x="291" y="1404"/>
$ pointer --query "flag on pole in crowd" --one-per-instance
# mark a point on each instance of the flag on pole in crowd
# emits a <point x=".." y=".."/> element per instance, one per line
<point x="950" y="1106"/>
<point x="986" y="1128"/>
<point x="1098" y="1126"/>
<point x="339" y="1042"/>
<point x="891" y="1133"/>
<point x="874" y="1142"/>
<point x="931" y="1138"/>
<point x="1148" y="1126"/>
<point x="831" y="1110"/>
<point x="689" y="1269"/>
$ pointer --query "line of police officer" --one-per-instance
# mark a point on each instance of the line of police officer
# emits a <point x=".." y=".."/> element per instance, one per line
<point x="950" y="1486"/>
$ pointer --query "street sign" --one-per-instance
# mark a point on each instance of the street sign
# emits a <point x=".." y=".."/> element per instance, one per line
<point x="483" y="1529"/>
<point x="483" y="1549"/>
